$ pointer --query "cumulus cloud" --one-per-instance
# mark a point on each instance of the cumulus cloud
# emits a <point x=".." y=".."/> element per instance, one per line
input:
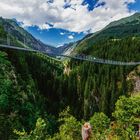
<point x="71" y="37"/>
<point x="62" y="33"/>
<point x="66" y="14"/>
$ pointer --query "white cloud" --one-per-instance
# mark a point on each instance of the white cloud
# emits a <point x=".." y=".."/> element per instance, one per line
<point x="44" y="26"/>
<point x="71" y="37"/>
<point x="76" y="18"/>
<point x="62" y="33"/>
<point x="59" y="45"/>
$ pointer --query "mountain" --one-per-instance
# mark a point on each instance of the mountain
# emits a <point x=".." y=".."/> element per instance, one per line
<point x="125" y="27"/>
<point x="36" y="89"/>
<point x="18" y="33"/>
<point x="131" y="20"/>
<point x="69" y="47"/>
<point x="66" y="48"/>
<point x="101" y="85"/>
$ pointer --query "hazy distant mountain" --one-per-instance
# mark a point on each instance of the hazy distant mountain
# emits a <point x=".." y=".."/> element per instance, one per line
<point x="66" y="48"/>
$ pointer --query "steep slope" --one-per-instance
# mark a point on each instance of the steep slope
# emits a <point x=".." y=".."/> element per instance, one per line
<point x="119" y="29"/>
<point x="28" y="86"/>
<point x="14" y="30"/>
<point x="101" y="85"/>
<point x="66" y="48"/>
<point x="132" y="20"/>
<point x="34" y="85"/>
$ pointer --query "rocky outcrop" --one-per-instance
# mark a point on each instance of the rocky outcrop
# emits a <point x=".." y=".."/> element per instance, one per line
<point x="134" y="77"/>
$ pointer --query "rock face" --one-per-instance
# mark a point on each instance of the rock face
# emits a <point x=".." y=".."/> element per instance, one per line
<point x="66" y="48"/>
<point x="137" y="85"/>
<point x="86" y="131"/>
<point x="134" y="76"/>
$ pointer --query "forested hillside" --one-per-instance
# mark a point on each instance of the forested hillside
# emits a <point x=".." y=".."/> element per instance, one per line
<point x="16" y="32"/>
<point x="42" y="98"/>
<point x="105" y="83"/>
<point x="25" y="80"/>
<point x="125" y="27"/>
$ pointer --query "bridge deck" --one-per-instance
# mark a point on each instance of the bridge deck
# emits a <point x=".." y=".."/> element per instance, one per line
<point x="77" y="57"/>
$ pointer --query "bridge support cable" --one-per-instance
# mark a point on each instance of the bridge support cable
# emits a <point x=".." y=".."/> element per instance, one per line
<point x="77" y="57"/>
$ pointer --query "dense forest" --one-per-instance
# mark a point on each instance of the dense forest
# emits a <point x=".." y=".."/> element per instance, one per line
<point x="43" y="98"/>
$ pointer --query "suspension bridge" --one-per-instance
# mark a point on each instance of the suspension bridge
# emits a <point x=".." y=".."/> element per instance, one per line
<point x="9" y="45"/>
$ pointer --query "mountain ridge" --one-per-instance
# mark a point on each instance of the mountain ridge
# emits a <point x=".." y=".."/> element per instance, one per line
<point x="125" y="27"/>
<point x="13" y="29"/>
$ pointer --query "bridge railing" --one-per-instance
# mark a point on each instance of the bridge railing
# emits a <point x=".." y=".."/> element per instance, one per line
<point x="12" y="44"/>
<point x="104" y="61"/>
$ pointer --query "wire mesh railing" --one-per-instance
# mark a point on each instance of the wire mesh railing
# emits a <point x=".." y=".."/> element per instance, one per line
<point x="11" y="44"/>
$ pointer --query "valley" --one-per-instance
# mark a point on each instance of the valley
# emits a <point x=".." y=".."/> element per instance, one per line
<point x="43" y="97"/>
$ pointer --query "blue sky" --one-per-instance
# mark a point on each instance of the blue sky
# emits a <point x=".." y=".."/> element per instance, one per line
<point x="55" y="37"/>
<point x="56" y="22"/>
<point x="135" y="6"/>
